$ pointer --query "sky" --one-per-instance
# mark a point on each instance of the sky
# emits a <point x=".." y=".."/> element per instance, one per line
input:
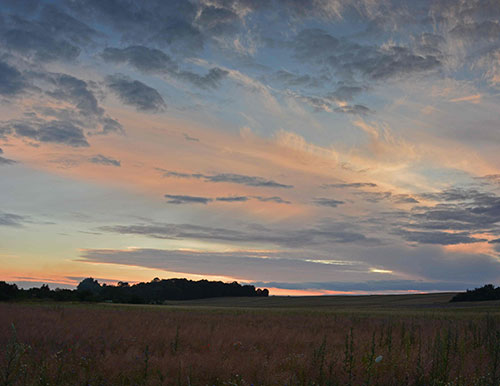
<point x="305" y="146"/>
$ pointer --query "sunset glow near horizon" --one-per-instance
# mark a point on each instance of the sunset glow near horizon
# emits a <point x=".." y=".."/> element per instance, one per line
<point x="309" y="147"/>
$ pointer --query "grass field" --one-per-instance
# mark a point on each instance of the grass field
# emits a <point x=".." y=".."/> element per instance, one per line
<point x="341" y="340"/>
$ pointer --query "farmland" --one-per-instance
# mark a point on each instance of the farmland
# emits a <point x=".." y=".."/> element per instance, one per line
<point x="345" y="340"/>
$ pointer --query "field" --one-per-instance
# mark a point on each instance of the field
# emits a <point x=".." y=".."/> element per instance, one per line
<point x="362" y="340"/>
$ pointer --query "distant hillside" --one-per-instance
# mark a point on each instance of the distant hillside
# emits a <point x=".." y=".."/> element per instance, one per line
<point x="487" y="292"/>
<point x="155" y="292"/>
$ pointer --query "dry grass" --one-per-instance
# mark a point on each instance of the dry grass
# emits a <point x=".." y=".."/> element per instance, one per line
<point x="102" y="345"/>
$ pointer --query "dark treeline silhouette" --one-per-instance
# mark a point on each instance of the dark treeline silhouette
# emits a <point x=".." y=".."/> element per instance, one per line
<point x="155" y="292"/>
<point x="487" y="292"/>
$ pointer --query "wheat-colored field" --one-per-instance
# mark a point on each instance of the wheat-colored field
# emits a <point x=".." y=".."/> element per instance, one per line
<point x="370" y="340"/>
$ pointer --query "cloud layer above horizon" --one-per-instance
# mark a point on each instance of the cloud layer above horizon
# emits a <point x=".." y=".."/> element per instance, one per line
<point x="316" y="145"/>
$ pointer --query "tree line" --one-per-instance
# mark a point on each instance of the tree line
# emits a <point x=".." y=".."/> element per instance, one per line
<point x="487" y="292"/>
<point x="156" y="291"/>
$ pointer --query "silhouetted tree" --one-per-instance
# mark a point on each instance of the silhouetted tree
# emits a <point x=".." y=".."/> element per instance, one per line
<point x="487" y="292"/>
<point x="8" y="291"/>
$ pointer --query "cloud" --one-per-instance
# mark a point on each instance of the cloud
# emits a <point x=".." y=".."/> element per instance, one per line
<point x="55" y="131"/>
<point x="12" y="82"/>
<point x="245" y="264"/>
<point x="327" y="202"/>
<point x="102" y="160"/>
<point x="229" y="178"/>
<point x="345" y="93"/>
<point x="5" y="161"/>
<point x="79" y="93"/>
<point x="294" y="80"/>
<point x="169" y="23"/>
<point x="218" y="20"/>
<point x="275" y="199"/>
<point x="180" y="199"/>
<point x="153" y="61"/>
<point x="441" y="238"/>
<point x="76" y="91"/>
<point x="374" y="285"/>
<point x="189" y="138"/>
<point x="353" y="109"/>
<point x="245" y="180"/>
<point x="45" y="40"/>
<point x="135" y="93"/>
<point x="145" y="59"/>
<point x="11" y="220"/>
<point x="349" y="59"/>
<point x="65" y="112"/>
<point x="63" y="25"/>
<point x="205" y="200"/>
<point x="233" y="199"/>
<point x="404" y="199"/>
<point x="459" y="209"/>
<point x="355" y="185"/>
<point x="211" y="80"/>
<point x="327" y="234"/>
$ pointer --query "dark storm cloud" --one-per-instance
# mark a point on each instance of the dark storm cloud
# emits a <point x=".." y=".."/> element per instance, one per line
<point x="102" y="160"/>
<point x="135" y="93"/>
<point x="228" y="177"/>
<point x="12" y="82"/>
<point x="11" y="220"/>
<point x="320" y="235"/>
<point x="327" y="202"/>
<point x="180" y="199"/>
